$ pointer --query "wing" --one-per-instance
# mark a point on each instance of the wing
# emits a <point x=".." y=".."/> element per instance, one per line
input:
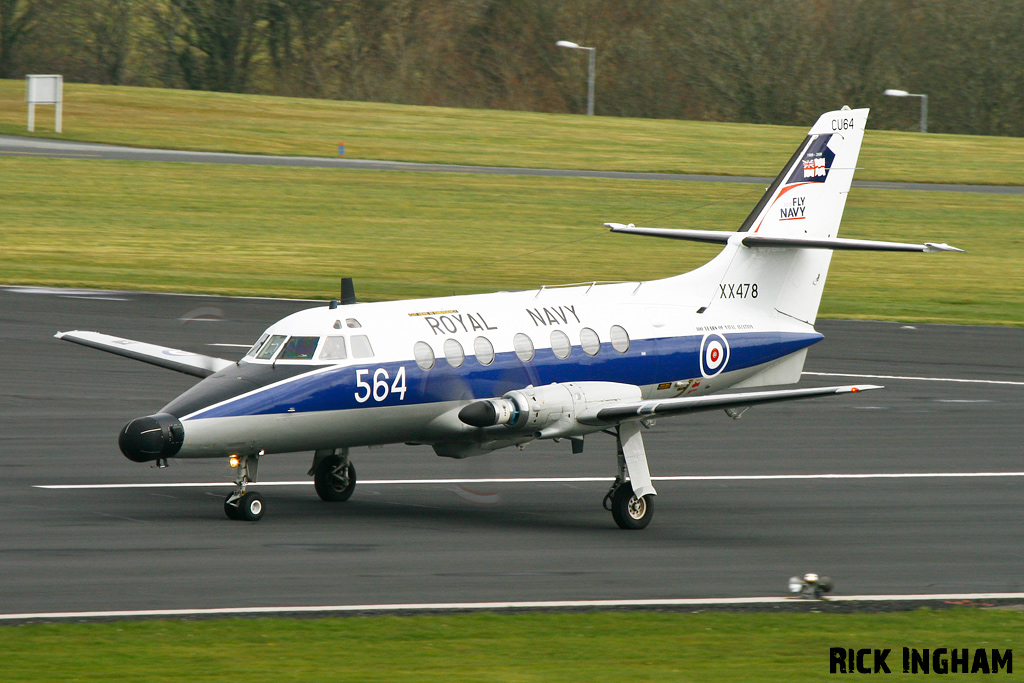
<point x="194" y="364"/>
<point x="638" y="410"/>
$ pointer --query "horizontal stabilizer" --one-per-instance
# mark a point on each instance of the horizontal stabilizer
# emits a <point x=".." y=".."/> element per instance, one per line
<point x="638" y="410"/>
<point x="748" y="239"/>
<point x="193" y="364"/>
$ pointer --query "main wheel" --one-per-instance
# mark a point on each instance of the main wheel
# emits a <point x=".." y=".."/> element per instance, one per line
<point x="250" y="507"/>
<point x="333" y="482"/>
<point x="629" y="511"/>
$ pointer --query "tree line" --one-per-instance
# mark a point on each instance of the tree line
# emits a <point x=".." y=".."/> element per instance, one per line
<point x="758" y="61"/>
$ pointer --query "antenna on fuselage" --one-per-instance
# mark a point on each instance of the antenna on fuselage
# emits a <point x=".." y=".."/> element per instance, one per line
<point x="348" y="291"/>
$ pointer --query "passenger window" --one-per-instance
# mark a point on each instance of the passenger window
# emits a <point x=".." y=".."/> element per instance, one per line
<point x="257" y="345"/>
<point x="361" y="346"/>
<point x="424" y="355"/>
<point x="484" y="350"/>
<point x="560" y="344"/>
<point x="334" y="349"/>
<point x="620" y="338"/>
<point x="299" y="348"/>
<point x="271" y="347"/>
<point x="453" y="353"/>
<point x="590" y="342"/>
<point x="523" y="346"/>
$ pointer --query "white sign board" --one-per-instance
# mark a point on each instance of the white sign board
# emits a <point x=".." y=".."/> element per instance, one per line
<point x="44" y="89"/>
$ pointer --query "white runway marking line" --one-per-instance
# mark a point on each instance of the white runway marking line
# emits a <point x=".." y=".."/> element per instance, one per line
<point x="917" y="379"/>
<point x="548" y="480"/>
<point x="493" y="606"/>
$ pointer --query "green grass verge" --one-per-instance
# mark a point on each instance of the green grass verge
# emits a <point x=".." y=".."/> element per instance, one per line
<point x="288" y="232"/>
<point x="488" y="647"/>
<point x="178" y="119"/>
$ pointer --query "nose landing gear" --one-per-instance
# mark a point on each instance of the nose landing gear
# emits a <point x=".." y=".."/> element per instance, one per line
<point x="242" y="504"/>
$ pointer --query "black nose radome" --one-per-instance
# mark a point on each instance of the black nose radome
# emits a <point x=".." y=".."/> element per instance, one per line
<point x="153" y="437"/>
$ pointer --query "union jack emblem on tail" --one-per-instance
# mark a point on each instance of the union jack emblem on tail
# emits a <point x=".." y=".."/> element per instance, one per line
<point x="814" y="168"/>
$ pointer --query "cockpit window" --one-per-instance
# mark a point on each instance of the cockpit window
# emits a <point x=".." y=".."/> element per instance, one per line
<point x="271" y="346"/>
<point x="299" y="348"/>
<point x="352" y="322"/>
<point x="257" y="345"/>
<point x="334" y="349"/>
<point x="361" y="346"/>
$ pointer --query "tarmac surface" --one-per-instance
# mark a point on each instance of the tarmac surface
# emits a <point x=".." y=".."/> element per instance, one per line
<point x="12" y="145"/>
<point x="713" y="535"/>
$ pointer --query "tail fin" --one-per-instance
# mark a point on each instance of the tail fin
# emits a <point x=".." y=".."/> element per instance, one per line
<point x="776" y="263"/>
<point x="805" y="201"/>
<point x="808" y="196"/>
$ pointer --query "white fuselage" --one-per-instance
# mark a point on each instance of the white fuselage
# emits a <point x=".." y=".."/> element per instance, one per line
<point x="410" y="365"/>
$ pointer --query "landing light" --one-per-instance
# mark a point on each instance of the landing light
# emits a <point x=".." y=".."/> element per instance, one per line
<point x="234" y="461"/>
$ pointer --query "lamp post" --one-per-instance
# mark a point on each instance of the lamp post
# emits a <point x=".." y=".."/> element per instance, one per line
<point x="590" y="71"/>
<point x="924" y="104"/>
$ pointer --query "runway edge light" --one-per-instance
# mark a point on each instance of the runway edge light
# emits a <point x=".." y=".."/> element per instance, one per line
<point x="810" y="586"/>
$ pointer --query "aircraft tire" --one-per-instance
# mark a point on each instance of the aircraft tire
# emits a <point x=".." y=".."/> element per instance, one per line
<point x="232" y="511"/>
<point x="630" y="512"/>
<point x="250" y="507"/>
<point x="329" y="487"/>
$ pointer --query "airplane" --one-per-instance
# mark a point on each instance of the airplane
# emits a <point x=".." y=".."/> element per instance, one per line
<point x="469" y="375"/>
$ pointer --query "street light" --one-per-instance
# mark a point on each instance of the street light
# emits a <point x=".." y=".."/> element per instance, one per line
<point x="590" y="71"/>
<point x="924" y="104"/>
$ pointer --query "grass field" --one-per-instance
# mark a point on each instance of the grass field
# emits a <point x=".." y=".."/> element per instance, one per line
<point x="488" y="647"/>
<point x="178" y="119"/>
<point x="292" y="232"/>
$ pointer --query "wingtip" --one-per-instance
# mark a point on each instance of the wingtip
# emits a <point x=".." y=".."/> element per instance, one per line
<point x="853" y="389"/>
<point x="935" y="247"/>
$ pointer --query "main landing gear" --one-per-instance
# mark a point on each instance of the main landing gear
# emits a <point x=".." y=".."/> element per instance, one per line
<point x="334" y="477"/>
<point x="631" y="497"/>
<point x="242" y="504"/>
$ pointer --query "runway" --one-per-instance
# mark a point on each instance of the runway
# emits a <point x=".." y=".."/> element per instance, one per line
<point x="12" y="145"/>
<point x="935" y="507"/>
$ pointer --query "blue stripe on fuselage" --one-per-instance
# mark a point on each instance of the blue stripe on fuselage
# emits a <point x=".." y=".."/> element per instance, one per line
<point x="648" y="361"/>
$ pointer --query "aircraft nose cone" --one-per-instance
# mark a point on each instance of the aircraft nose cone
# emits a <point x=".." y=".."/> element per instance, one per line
<point x="153" y="437"/>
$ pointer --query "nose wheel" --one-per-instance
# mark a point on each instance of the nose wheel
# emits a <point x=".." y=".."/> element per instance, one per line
<point x="243" y="504"/>
<point x="248" y="508"/>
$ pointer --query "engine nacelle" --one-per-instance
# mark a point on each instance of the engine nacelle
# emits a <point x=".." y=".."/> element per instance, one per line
<point x="549" y="411"/>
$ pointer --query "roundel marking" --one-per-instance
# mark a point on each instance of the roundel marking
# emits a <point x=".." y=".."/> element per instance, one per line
<point x="714" y="354"/>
